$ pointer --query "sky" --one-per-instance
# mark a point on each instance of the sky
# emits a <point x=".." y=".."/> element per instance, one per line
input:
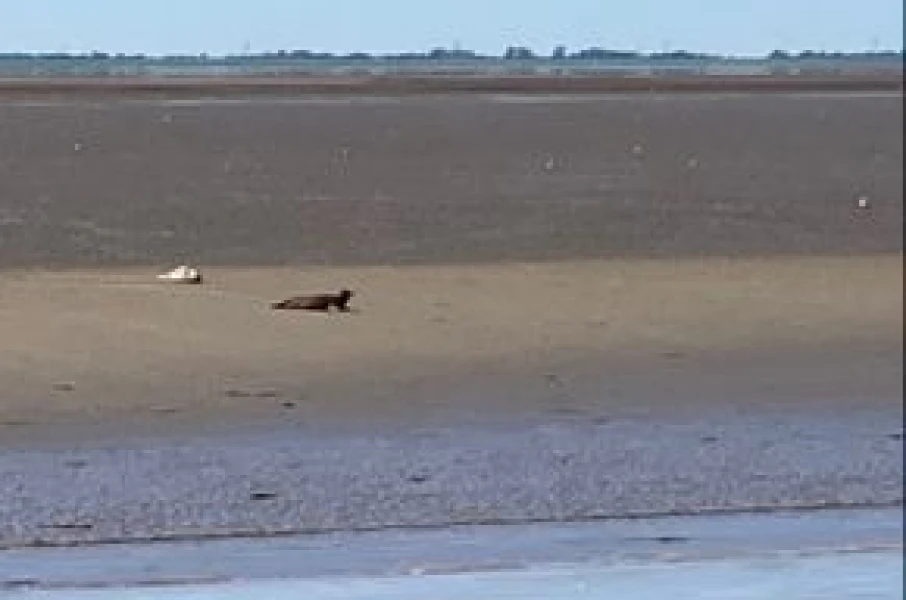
<point x="738" y="27"/>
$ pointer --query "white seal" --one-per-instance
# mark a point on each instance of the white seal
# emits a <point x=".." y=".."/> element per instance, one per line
<point x="182" y="274"/>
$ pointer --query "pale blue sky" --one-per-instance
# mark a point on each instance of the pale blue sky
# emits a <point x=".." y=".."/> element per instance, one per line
<point x="377" y="26"/>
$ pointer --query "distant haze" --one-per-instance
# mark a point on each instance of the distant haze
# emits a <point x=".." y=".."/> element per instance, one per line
<point x="741" y="27"/>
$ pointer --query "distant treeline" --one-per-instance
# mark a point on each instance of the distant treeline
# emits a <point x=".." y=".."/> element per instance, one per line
<point x="510" y="53"/>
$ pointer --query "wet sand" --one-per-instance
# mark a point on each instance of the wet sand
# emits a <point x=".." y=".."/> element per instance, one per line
<point x="879" y="79"/>
<point x="567" y="308"/>
<point x="579" y="467"/>
<point x="469" y="179"/>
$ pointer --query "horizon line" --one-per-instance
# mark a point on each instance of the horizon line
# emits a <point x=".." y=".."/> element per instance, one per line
<point x="512" y="52"/>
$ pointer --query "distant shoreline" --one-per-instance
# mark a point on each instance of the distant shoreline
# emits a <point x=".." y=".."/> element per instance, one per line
<point x="429" y="84"/>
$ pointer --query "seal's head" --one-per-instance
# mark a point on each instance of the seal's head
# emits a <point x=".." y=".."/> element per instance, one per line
<point x="343" y="299"/>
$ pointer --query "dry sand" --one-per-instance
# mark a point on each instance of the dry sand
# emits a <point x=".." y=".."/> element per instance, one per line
<point x="455" y="341"/>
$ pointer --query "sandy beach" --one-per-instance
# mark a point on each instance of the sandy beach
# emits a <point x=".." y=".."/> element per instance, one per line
<point x="567" y="306"/>
<point x="467" y="340"/>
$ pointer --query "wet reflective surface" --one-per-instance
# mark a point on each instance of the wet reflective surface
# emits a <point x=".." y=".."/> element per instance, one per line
<point x="836" y="576"/>
<point x="825" y="554"/>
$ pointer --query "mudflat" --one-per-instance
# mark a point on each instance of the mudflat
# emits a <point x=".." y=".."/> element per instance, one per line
<point x="448" y="179"/>
<point x="879" y="78"/>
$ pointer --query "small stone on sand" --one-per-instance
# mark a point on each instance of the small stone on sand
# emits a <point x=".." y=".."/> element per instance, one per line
<point x="263" y="495"/>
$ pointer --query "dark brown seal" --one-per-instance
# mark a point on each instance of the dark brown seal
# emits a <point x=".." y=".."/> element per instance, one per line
<point x="320" y="302"/>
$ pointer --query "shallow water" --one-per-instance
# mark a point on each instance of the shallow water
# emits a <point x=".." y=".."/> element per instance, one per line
<point x="844" y="554"/>
<point x="844" y="576"/>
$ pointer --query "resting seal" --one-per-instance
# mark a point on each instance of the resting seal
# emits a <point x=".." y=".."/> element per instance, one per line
<point x="182" y="274"/>
<point x="320" y="302"/>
